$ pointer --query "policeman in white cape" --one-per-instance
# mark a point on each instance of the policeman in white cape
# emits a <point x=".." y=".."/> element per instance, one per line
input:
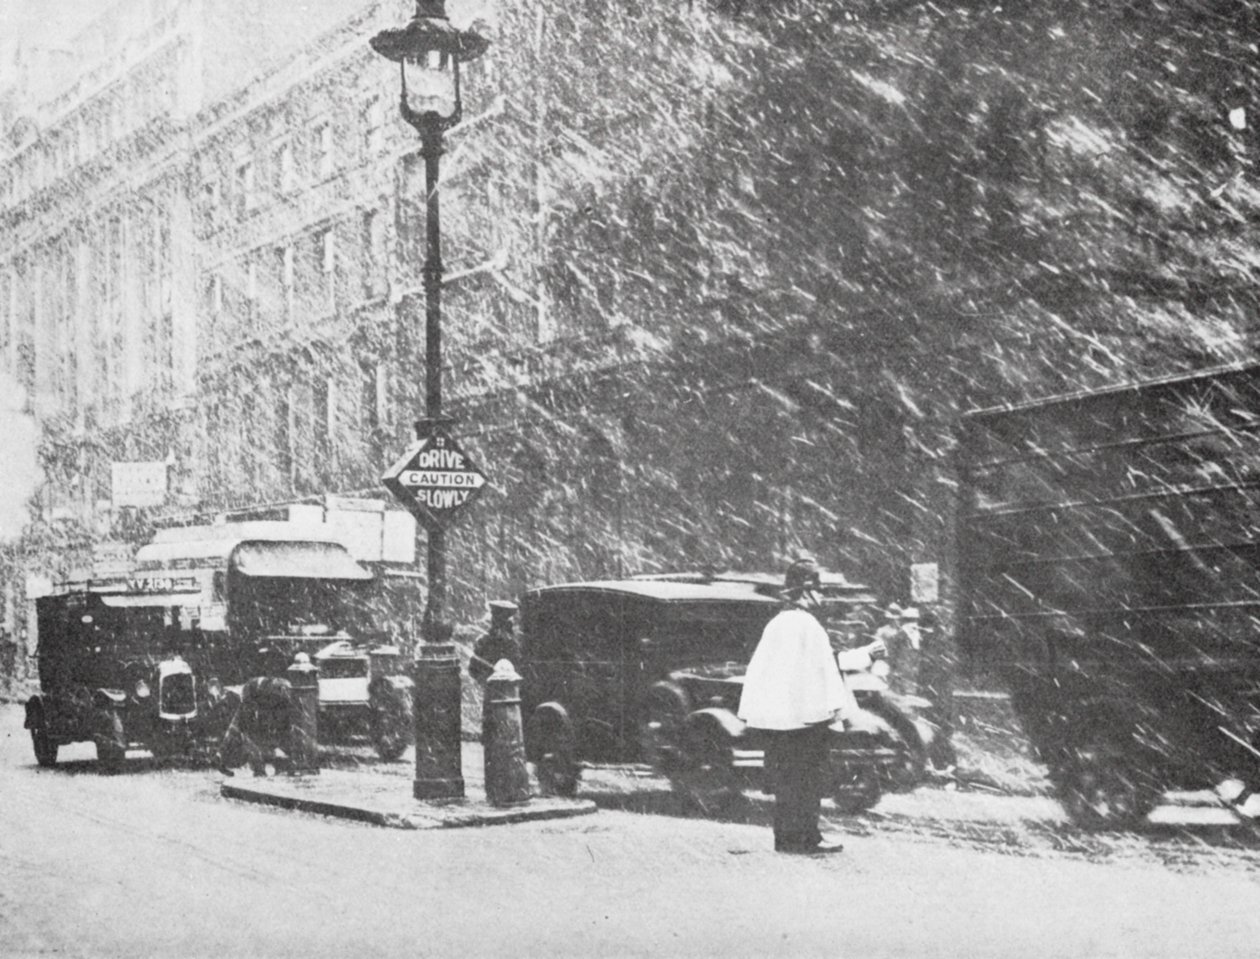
<point x="792" y="693"/>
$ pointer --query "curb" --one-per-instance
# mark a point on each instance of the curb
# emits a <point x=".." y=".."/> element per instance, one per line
<point x="342" y="795"/>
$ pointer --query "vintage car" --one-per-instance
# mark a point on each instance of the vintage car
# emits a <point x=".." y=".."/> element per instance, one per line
<point x="118" y="667"/>
<point x="363" y="692"/>
<point x="649" y="670"/>
<point x="268" y="590"/>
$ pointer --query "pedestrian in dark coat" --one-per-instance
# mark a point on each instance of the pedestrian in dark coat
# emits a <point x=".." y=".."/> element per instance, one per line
<point x="498" y="642"/>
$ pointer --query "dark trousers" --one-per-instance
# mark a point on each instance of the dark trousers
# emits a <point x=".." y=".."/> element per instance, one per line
<point x="796" y="764"/>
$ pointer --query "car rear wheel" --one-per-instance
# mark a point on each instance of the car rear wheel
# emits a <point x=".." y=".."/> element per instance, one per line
<point x="705" y="773"/>
<point x="554" y="753"/>
<point x="1099" y="789"/>
<point x="664" y="726"/>
<point x="909" y="769"/>
<point x="44" y="746"/>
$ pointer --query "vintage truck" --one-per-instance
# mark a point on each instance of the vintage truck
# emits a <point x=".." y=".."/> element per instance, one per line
<point x="1109" y="567"/>
<point x="118" y="666"/>
<point x="268" y="590"/>
<point x="650" y="669"/>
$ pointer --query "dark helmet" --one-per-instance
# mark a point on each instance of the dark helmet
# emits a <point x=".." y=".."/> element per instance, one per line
<point x="803" y="574"/>
<point x="502" y="611"/>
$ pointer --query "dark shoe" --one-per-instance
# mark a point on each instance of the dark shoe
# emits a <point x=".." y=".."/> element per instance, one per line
<point x="222" y="767"/>
<point x="808" y="849"/>
<point x="823" y="848"/>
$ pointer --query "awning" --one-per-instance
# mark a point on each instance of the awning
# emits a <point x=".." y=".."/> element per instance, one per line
<point x="151" y="599"/>
<point x="297" y="561"/>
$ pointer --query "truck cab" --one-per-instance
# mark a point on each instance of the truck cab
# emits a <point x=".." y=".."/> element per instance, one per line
<point x="117" y="667"/>
<point x="270" y="590"/>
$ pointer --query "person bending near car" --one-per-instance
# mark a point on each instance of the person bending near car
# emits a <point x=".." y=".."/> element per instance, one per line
<point x="792" y="692"/>
<point x="261" y="726"/>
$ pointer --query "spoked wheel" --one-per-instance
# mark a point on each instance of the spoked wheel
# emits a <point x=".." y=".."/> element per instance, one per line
<point x="392" y="727"/>
<point x="705" y="773"/>
<point x="909" y="769"/>
<point x="858" y="788"/>
<point x="42" y="741"/>
<point x="554" y="753"/>
<point x="1100" y="790"/>
<point x="111" y="747"/>
<point x="661" y="734"/>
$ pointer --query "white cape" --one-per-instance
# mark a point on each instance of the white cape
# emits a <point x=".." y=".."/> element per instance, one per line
<point x="792" y="679"/>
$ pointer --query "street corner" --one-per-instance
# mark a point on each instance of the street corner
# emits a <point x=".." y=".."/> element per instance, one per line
<point x="353" y="796"/>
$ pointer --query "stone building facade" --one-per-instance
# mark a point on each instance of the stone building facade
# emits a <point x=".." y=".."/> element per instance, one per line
<point x="226" y="277"/>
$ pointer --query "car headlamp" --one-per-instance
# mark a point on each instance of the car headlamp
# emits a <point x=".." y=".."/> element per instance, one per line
<point x="214" y="689"/>
<point x="141" y="689"/>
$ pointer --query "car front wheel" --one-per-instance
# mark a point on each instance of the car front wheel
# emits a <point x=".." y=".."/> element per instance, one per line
<point x="45" y="747"/>
<point x="858" y="789"/>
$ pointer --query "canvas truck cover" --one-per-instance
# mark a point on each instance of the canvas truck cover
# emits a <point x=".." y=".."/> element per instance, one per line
<point x="1121" y="525"/>
<point x="297" y="559"/>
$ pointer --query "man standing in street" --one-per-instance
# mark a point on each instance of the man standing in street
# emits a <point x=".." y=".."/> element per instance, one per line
<point x="792" y="692"/>
<point x="901" y="637"/>
<point x="498" y="642"/>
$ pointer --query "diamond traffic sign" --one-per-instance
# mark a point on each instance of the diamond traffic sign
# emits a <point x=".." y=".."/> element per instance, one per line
<point x="434" y="479"/>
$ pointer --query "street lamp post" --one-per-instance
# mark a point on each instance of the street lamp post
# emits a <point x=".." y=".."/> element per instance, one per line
<point x="429" y="51"/>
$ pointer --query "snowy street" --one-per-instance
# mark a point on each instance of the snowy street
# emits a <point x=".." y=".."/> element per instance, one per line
<point x="152" y="862"/>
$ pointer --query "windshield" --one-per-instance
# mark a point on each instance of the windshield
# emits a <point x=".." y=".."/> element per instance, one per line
<point x="267" y="606"/>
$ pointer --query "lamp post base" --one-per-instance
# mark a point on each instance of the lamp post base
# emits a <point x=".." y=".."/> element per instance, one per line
<point x="436" y="691"/>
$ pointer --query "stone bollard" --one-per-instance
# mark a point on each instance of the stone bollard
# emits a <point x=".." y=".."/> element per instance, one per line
<point x="507" y="778"/>
<point x="303" y="677"/>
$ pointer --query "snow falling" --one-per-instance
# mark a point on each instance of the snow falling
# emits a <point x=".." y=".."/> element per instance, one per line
<point x="22" y="474"/>
<point x="721" y="280"/>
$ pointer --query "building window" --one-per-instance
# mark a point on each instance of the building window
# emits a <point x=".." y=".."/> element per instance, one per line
<point x="372" y="398"/>
<point x="286" y="438"/>
<point x="374" y="259"/>
<point x="246" y="187"/>
<point x="323" y="151"/>
<point x="214" y="295"/>
<point x="328" y="266"/>
<point x="284" y="258"/>
<point x="374" y="127"/>
<point x="324" y="418"/>
<point x="285" y="179"/>
<point x="212" y="195"/>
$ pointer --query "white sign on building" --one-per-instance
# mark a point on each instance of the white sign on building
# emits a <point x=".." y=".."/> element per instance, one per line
<point x="370" y="530"/>
<point x="138" y="484"/>
<point x="925" y="582"/>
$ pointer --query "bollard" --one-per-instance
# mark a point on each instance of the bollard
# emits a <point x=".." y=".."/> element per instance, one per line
<point x="436" y="697"/>
<point x="507" y="778"/>
<point x="303" y="677"/>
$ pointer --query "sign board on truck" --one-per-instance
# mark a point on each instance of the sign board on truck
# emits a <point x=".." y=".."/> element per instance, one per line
<point x="138" y="484"/>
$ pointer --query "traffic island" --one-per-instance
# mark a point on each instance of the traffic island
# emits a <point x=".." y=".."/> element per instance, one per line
<point x="381" y="794"/>
<point x="378" y="800"/>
